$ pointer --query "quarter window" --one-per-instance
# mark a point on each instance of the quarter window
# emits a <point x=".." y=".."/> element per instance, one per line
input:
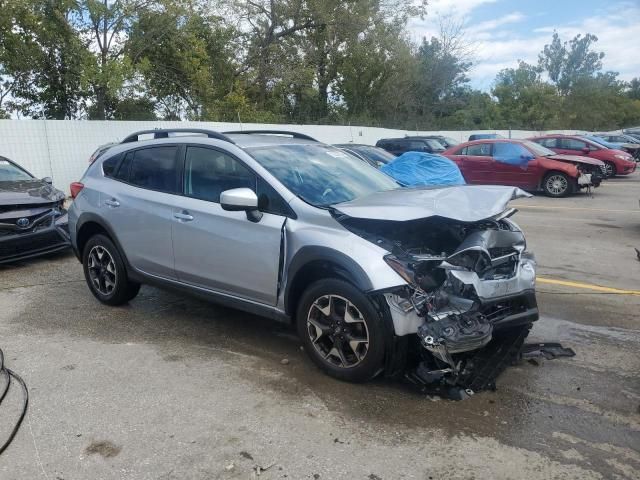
<point x="270" y="201"/>
<point x="125" y="166"/>
<point x="209" y="172"/>
<point x="109" y="165"/>
<point x="155" y="168"/>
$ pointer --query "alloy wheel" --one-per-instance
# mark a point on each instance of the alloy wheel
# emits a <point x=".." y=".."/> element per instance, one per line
<point x="557" y="184"/>
<point x="608" y="169"/>
<point x="338" y="331"/>
<point x="102" y="270"/>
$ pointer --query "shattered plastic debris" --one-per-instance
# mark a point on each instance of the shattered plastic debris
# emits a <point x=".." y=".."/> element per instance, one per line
<point x="479" y="371"/>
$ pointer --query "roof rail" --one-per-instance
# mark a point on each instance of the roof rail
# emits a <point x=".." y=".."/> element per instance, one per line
<point x="164" y="133"/>
<point x="301" y="136"/>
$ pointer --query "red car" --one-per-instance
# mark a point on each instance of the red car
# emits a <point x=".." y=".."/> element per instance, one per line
<point x="526" y="165"/>
<point x="616" y="162"/>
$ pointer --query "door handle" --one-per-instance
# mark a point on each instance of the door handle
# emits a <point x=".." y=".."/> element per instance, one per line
<point x="184" y="216"/>
<point x="112" y="202"/>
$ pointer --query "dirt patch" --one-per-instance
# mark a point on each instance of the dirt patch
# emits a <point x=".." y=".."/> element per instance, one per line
<point x="104" y="448"/>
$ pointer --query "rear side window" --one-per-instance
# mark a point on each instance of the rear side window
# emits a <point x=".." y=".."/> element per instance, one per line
<point x="125" y="166"/>
<point x="110" y="164"/>
<point x="155" y="168"/>
<point x="479" y="150"/>
<point x="208" y="173"/>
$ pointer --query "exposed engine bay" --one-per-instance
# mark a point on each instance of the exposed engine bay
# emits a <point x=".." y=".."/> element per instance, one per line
<point x="469" y="290"/>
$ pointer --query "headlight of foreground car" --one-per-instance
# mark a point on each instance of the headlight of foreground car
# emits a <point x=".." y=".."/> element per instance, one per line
<point x="622" y="157"/>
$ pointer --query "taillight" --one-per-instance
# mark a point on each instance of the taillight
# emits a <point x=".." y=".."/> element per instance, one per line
<point x="75" y="188"/>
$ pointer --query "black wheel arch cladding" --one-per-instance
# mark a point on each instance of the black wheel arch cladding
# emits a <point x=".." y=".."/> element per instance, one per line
<point x="88" y="219"/>
<point x="333" y="261"/>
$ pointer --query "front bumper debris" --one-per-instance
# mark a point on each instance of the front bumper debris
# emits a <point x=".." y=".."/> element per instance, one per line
<point x="470" y="310"/>
<point x="48" y="232"/>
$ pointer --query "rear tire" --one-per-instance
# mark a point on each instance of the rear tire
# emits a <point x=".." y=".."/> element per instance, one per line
<point x="105" y="272"/>
<point x="341" y="330"/>
<point x="557" y="184"/>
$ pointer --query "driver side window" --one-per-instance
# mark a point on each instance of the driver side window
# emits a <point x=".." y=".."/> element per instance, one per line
<point x="208" y="173"/>
<point x="573" y="144"/>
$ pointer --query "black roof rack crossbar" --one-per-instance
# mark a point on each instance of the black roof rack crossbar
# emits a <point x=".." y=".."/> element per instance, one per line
<point x="299" y="135"/>
<point x="164" y="133"/>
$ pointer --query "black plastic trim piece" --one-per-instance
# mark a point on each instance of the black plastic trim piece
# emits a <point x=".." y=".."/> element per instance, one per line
<point x="164" y="133"/>
<point x="301" y="136"/>
<point x="347" y="268"/>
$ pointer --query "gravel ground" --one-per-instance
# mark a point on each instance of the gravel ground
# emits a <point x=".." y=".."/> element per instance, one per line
<point x="173" y="388"/>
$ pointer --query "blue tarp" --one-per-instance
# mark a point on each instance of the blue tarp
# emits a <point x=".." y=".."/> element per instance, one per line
<point x="512" y="154"/>
<point x="412" y="169"/>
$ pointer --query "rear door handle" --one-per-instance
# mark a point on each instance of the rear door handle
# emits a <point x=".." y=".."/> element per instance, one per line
<point x="112" y="202"/>
<point x="184" y="216"/>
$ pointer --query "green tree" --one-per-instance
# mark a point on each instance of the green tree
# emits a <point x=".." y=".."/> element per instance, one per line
<point x="186" y="60"/>
<point x="568" y="62"/>
<point x="105" y="24"/>
<point x="633" y="89"/>
<point x="45" y="60"/>
<point x="524" y="100"/>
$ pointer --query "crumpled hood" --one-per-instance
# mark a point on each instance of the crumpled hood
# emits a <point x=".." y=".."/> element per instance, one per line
<point x="465" y="203"/>
<point x="27" y="192"/>
<point x="576" y="159"/>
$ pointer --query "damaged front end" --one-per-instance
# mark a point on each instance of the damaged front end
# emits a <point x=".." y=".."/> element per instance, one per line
<point x="469" y="295"/>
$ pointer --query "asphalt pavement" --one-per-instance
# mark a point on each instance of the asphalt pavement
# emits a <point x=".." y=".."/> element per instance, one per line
<point x="169" y="387"/>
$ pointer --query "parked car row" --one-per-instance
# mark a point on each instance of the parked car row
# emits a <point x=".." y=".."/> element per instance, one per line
<point x="557" y="165"/>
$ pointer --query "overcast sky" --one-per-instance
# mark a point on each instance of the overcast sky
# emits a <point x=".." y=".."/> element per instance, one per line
<point x="503" y="31"/>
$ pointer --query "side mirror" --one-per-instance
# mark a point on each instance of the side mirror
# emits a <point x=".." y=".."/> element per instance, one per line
<point x="586" y="150"/>
<point x="48" y="180"/>
<point x="241" y="199"/>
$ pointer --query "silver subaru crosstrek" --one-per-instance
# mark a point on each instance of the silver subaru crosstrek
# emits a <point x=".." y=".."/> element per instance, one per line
<point x="375" y="277"/>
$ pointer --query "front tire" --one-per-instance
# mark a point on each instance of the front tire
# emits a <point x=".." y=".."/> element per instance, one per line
<point x="105" y="272"/>
<point x="341" y="330"/>
<point x="610" y="170"/>
<point x="557" y="184"/>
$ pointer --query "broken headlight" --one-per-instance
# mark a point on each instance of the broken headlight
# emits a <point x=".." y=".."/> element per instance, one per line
<point x="422" y="273"/>
<point x="401" y="268"/>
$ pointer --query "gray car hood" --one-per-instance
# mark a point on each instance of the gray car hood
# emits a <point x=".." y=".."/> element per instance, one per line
<point x="465" y="203"/>
<point x="26" y="192"/>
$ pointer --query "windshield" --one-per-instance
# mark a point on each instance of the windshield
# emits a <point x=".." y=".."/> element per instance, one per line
<point x="538" y="149"/>
<point x="321" y="175"/>
<point x="11" y="173"/>
<point x="374" y="153"/>
<point x="451" y="142"/>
